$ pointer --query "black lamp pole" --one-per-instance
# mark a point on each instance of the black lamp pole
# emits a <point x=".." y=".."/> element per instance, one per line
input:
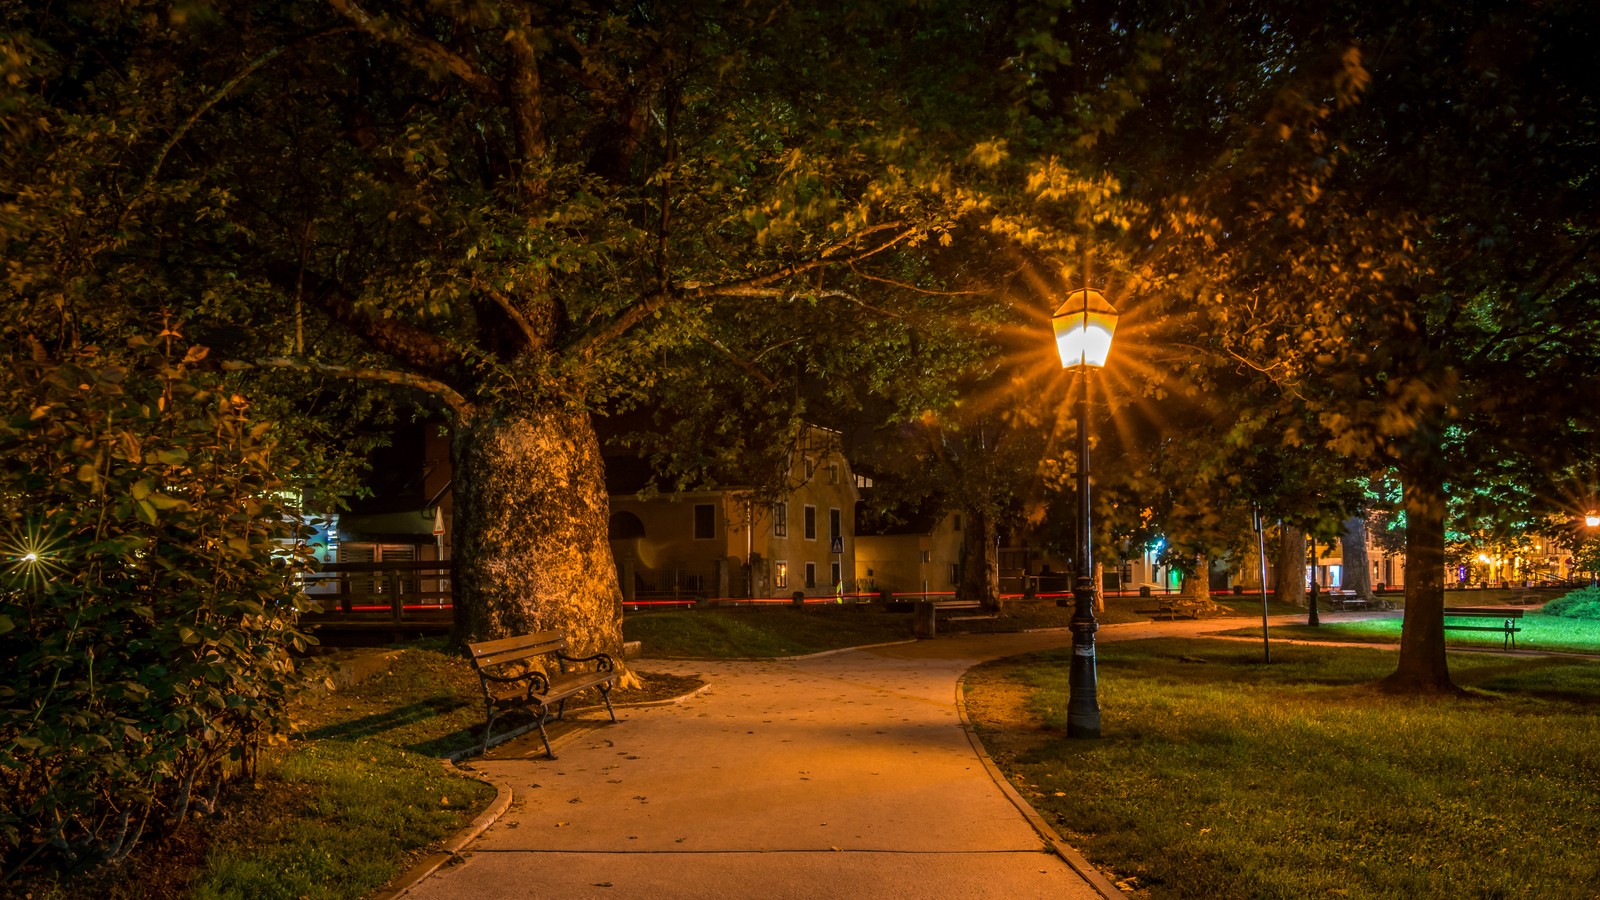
<point x="1083" y="702"/>
<point x="1083" y="326"/>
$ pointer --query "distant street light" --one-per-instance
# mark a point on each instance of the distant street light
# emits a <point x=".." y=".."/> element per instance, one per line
<point x="1084" y="325"/>
<point x="1592" y="519"/>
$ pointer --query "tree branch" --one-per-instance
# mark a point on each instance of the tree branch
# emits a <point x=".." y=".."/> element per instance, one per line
<point x="408" y="343"/>
<point x="423" y="49"/>
<point x="744" y="287"/>
<point x="463" y="409"/>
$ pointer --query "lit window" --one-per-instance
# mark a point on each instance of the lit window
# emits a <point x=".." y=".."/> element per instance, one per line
<point x="780" y="574"/>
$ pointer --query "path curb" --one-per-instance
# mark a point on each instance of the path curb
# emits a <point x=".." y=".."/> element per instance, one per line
<point x="1068" y="853"/>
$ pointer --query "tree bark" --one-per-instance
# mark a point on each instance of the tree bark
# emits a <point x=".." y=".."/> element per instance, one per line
<point x="530" y="540"/>
<point x="1422" y="668"/>
<point x="1099" y="586"/>
<point x="1198" y="583"/>
<point x="980" y="554"/>
<point x="1353" y="552"/>
<point x="1291" y="565"/>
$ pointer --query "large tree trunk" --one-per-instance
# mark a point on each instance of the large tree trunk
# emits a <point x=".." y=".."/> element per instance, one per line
<point x="980" y="555"/>
<point x="1422" y="668"/>
<point x="1198" y="584"/>
<point x="1353" y="553"/>
<point x="530" y="532"/>
<point x="1291" y="565"/>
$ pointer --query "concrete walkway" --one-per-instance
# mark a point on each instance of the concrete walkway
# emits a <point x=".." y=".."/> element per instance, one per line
<point x="842" y="776"/>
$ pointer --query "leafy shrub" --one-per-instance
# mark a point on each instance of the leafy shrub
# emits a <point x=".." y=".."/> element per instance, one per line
<point x="147" y="608"/>
<point x="1583" y="603"/>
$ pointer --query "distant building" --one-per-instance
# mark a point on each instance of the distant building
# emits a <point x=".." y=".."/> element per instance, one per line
<point x="730" y="543"/>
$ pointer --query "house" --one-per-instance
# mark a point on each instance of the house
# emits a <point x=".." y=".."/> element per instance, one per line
<point x="729" y="542"/>
<point x="917" y="553"/>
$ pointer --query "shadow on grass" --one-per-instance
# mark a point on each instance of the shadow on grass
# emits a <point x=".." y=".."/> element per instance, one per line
<point x="399" y="717"/>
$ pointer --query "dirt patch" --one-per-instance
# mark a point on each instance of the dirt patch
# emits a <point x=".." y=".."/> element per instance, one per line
<point x="997" y="705"/>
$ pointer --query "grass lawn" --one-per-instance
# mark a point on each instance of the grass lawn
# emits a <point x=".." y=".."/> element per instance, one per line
<point x="1221" y="776"/>
<point x="1539" y="632"/>
<point x="758" y="632"/>
<point x="769" y="631"/>
<point x="347" y="805"/>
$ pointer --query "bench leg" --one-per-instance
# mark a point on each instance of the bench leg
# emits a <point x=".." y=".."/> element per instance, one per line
<point x="605" y="694"/>
<point x="545" y="735"/>
<point x="487" y="725"/>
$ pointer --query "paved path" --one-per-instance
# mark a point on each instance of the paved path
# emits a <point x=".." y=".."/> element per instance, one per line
<point x="841" y="776"/>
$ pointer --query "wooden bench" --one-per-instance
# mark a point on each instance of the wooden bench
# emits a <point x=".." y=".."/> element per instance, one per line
<point x="1344" y="601"/>
<point x="521" y="664"/>
<point x="1506" y="614"/>
<point x="1175" y="605"/>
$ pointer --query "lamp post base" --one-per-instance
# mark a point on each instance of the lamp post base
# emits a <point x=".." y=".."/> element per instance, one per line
<point x="1083" y="702"/>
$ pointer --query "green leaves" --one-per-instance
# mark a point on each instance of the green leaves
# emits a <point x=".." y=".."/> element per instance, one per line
<point x="142" y="533"/>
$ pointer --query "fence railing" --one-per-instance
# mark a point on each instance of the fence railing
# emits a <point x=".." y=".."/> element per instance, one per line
<point x="398" y="595"/>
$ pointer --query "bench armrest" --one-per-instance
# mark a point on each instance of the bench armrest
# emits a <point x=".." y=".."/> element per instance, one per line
<point x="538" y="682"/>
<point x="603" y="661"/>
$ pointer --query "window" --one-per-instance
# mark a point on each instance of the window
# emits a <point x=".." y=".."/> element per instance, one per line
<point x="705" y="521"/>
<point x="955" y="574"/>
<point x="811" y="575"/>
<point x="863" y="481"/>
<point x="833" y="473"/>
<point x="958" y="522"/>
<point x="811" y="523"/>
<point x="835" y="523"/>
<point x="811" y="467"/>
<point x="927" y="556"/>
<point x="780" y="520"/>
<point x="834" y="580"/>
<point x="780" y="574"/>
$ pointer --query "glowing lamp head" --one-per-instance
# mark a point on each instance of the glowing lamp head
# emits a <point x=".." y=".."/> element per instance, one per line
<point x="1084" y="325"/>
<point x="1483" y="557"/>
<point x="1592" y="519"/>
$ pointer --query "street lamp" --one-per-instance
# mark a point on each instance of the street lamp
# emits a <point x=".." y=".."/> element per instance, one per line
<point x="1083" y="326"/>
<point x="1592" y="519"/>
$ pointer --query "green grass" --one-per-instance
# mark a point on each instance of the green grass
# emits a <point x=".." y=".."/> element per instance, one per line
<point x="342" y="810"/>
<point x="1539" y="632"/>
<point x="763" y="632"/>
<point x="1221" y="776"/>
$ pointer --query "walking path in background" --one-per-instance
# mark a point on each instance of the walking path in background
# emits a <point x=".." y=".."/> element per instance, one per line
<point x="849" y="775"/>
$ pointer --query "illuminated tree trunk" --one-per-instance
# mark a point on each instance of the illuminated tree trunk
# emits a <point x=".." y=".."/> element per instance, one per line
<point x="530" y="538"/>
<point x="1422" y="668"/>
<point x="1198" y="583"/>
<point x="980" y="554"/>
<point x="1353" y="552"/>
<point x="1291" y="565"/>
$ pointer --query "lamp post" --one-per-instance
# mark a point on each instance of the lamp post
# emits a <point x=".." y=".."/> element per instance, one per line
<point x="1083" y="326"/>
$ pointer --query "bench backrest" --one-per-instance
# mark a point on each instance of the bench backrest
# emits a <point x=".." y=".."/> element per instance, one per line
<point x="1486" y="612"/>
<point x="516" y="649"/>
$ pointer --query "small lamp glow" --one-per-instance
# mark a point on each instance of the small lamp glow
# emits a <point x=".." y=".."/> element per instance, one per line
<point x="1592" y="519"/>
<point x="1483" y="557"/>
<point x="1084" y="325"/>
<point x="30" y="557"/>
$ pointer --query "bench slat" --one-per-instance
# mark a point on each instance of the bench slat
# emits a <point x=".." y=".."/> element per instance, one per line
<point x="512" y="649"/>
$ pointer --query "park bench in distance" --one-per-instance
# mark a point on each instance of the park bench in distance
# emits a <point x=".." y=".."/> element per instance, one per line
<point x="1506" y="615"/>
<point x="1175" y="605"/>
<point x="509" y="669"/>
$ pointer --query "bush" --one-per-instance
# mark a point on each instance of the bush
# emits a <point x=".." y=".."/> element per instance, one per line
<point x="146" y="603"/>
<point x="1583" y="603"/>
